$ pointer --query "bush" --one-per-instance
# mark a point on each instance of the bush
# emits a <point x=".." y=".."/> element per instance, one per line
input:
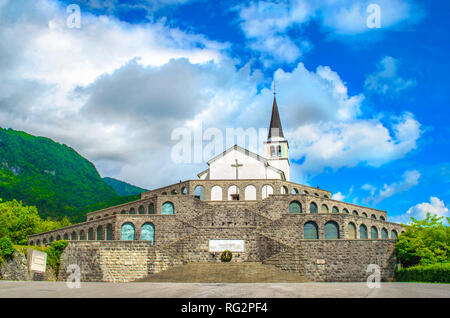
<point x="54" y="252"/>
<point x="226" y="256"/>
<point x="7" y="248"/>
<point x="436" y="273"/>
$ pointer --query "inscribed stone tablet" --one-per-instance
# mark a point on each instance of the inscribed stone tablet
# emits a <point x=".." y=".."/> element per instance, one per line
<point x="230" y="245"/>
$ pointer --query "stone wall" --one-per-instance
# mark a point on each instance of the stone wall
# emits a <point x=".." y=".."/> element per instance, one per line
<point x="114" y="261"/>
<point x="338" y="260"/>
<point x="17" y="269"/>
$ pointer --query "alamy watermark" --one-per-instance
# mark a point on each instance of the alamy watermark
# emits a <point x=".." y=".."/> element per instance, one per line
<point x="373" y="281"/>
<point x="74" y="18"/>
<point x="73" y="276"/>
<point x="374" y="19"/>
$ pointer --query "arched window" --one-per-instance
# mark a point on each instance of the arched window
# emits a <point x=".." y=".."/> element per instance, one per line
<point x="73" y="236"/>
<point x="351" y="231"/>
<point x="324" y="209"/>
<point x="184" y="190"/>
<point x="141" y="209"/>
<point x="38" y="242"/>
<point x="82" y="235"/>
<point x="250" y="192"/>
<point x="127" y="232"/>
<point x="335" y="210"/>
<point x="373" y="232"/>
<point x="310" y="231"/>
<point x="284" y="190"/>
<point x="295" y="207"/>
<point x="373" y="216"/>
<point x="100" y="233"/>
<point x="66" y="237"/>
<point x="167" y="208"/>
<point x="216" y="193"/>
<point x="266" y="191"/>
<point x="44" y="241"/>
<point x="174" y="192"/>
<point x="233" y="193"/>
<point x="384" y="234"/>
<point x="305" y="192"/>
<point x="364" y="214"/>
<point x="313" y="208"/>
<point x="91" y="234"/>
<point x="362" y="231"/>
<point x="272" y="151"/>
<point x="279" y="151"/>
<point x="345" y="211"/>
<point x="382" y="218"/>
<point x="148" y="232"/>
<point x="394" y="234"/>
<point x="151" y="208"/>
<point x="58" y="238"/>
<point x="355" y="212"/>
<point x="199" y="192"/>
<point x="294" y="191"/>
<point x="109" y="232"/>
<point x="331" y="230"/>
<point x="132" y="211"/>
<point x="326" y="196"/>
<point x="123" y="212"/>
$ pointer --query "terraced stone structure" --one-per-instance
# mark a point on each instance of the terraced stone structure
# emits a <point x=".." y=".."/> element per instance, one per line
<point x="291" y="226"/>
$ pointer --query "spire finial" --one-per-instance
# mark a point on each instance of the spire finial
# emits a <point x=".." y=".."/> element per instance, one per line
<point x="274" y="88"/>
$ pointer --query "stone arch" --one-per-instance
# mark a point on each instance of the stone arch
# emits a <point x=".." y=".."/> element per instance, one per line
<point x="305" y="192"/>
<point x="216" y="193"/>
<point x="127" y="232"/>
<point x="382" y="218"/>
<point x="109" y="232"/>
<point x="351" y="230"/>
<point x="313" y="208"/>
<point x="141" y="209"/>
<point x="66" y="236"/>
<point x="373" y="216"/>
<point x="335" y="209"/>
<point x="250" y="192"/>
<point x="73" y="236"/>
<point x="184" y="191"/>
<point x="355" y="212"/>
<point x="174" y="192"/>
<point x="148" y="232"/>
<point x="233" y="193"/>
<point x="394" y="234"/>
<point x="344" y="210"/>
<point x="51" y="239"/>
<point x="100" y="233"/>
<point x="44" y="241"/>
<point x="295" y="207"/>
<point x="200" y="193"/>
<point x="373" y="232"/>
<point x="325" y="196"/>
<point x="58" y="237"/>
<point x="168" y="208"/>
<point x="331" y="230"/>
<point x="324" y="209"/>
<point x="123" y="212"/>
<point x="294" y="191"/>
<point x="132" y="211"/>
<point x="364" y="214"/>
<point x="363" y="232"/>
<point x="310" y="231"/>
<point x="266" y="191"/>
<point x="384" y="234"/>
<point x="151" y="208"/>
<point x="82" y="236"/>
<point x="284" y="190"/>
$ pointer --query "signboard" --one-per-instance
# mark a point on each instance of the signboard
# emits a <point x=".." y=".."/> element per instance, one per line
<point x="230" y="245"/>
<point x="37" y="261"/>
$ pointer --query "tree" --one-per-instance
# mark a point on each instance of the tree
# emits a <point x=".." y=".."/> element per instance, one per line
<point x="424" y="242"/>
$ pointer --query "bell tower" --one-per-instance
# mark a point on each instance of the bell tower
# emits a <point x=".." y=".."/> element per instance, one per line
<point x="276" y="147"/>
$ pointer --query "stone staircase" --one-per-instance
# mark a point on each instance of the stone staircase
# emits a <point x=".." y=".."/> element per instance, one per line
<point x="233" y="272"/>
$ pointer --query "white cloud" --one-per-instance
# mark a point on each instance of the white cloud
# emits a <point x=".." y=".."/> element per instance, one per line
<point x="409" y="179"/>
<point x="419" y="211"/>
<point x="338" y="196"/>
<point x="386" y="80"/>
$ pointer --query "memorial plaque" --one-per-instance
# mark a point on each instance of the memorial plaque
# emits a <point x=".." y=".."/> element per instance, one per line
<point x="37" y="261"/>
<point x="230" y="245"/>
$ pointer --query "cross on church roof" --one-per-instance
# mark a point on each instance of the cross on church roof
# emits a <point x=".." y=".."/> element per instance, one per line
<point x="237" y="165"/>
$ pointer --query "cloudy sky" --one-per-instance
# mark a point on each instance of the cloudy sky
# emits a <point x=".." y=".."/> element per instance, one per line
<point x="364" y="108"/>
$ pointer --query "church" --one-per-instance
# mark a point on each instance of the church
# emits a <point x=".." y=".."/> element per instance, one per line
<point x="243" y="202"/>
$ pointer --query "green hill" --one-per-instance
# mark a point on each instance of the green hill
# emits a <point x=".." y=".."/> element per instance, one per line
<point x="51" y="176"/>
<point x="123" y="188"/>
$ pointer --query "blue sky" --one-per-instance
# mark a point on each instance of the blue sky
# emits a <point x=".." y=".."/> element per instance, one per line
<point x="365" y="109"/>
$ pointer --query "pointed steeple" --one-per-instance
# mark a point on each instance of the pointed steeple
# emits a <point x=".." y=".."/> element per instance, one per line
<point x="275" y="129"/>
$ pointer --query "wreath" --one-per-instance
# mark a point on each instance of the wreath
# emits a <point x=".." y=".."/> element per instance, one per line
<point x="226" y="256"/>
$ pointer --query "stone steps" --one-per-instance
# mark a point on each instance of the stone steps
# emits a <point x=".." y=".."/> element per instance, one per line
<point x="233" y="272"/>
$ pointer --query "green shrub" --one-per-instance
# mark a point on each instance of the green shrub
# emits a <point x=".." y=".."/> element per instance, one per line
<point x="436" y="273"/>
<point x="54" y="252"/>
<point x="226" y="256"/>
<point x="7" y="248"/>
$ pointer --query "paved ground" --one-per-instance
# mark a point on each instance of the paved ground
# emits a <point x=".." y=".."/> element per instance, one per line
<point x="202" y="290"/>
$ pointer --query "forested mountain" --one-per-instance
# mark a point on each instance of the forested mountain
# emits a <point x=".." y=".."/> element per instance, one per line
<point x="51" y="176"/>
<point x="123" y="188"/>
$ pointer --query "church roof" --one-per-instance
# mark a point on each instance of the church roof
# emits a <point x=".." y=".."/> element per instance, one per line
<point x="275" y="129"/>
